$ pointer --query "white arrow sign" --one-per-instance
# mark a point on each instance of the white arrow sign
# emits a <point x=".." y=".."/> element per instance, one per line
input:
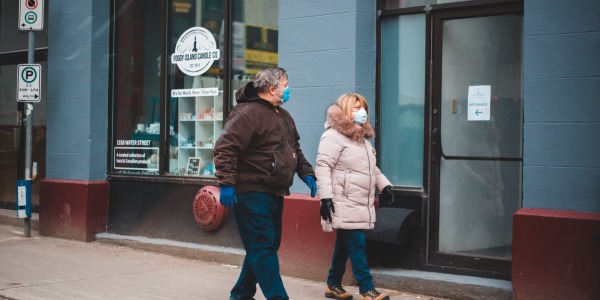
<point x="479" y="102"/>
<point x="28" y="87"/>
<point x="31" y="14"/>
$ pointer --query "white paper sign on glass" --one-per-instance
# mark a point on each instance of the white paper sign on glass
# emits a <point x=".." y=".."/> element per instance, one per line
<point x="479" y="102"/>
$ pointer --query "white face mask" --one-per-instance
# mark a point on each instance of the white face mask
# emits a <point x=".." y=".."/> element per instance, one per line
<point x="360" y="117"/>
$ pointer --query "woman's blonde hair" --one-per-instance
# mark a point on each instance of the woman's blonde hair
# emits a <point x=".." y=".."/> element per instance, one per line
<point x="347" y="101"/>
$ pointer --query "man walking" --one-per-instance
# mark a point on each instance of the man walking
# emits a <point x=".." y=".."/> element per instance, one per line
<point x="256" y="157"/>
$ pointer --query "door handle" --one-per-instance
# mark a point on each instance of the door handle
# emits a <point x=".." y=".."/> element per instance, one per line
<point x="435" y="148"/>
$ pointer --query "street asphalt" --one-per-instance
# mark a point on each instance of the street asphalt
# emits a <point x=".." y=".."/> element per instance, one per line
<point x="40" y="267"/>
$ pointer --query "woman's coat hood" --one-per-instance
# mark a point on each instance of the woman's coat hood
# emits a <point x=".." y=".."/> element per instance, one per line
<point x="340" y="121"/>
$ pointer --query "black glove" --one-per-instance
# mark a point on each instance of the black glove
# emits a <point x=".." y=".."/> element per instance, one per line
<point x="327" y="209"/>
<point x="386" y="197"/>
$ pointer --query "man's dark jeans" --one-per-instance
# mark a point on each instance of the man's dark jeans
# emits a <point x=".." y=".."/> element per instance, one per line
<point x="350" y="244"/>
<point x="258" y="217"/>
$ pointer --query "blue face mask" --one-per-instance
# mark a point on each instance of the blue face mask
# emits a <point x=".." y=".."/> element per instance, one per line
<point x="360" y="117"/>
<point x="286" y="94"/>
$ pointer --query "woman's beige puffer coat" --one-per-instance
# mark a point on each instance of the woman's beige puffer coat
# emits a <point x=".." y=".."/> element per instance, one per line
<point x="346" y="171"/>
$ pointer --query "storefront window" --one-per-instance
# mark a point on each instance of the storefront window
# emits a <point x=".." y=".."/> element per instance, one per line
<point x="136" y="81"/>
<point x="196" y="82"/>
<point x="194" y="102"/>
<point x="403" y="99"/>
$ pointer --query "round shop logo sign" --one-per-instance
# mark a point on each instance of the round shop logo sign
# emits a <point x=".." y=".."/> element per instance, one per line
<point x="195" y="52"/>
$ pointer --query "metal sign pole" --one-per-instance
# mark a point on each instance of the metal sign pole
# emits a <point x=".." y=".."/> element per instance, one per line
<point x="29" y="120"/>
<point x="31" y="18"/>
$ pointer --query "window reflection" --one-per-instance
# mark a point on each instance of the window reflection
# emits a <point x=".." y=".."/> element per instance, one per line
<point x="403" y="99"/>
<point x="255" y="39"/>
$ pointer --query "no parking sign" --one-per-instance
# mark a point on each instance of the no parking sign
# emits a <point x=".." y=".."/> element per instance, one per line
<point x="31" y="14"/>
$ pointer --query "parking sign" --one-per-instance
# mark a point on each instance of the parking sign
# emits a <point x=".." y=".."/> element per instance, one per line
<point x="29" y="78"/>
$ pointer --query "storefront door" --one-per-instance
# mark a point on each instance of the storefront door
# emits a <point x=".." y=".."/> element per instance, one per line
<point x="477" y="135"/>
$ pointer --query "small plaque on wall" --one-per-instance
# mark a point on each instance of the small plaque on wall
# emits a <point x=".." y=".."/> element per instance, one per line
<point x="194" y="165"/>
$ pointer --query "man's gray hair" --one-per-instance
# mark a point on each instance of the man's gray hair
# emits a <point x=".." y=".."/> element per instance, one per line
<point x="268" y="78"/>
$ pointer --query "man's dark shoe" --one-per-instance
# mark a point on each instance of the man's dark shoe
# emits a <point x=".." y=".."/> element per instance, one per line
<point x="337" y="292"/>
<point x="241" y="298"/>
<point x="374" y="295"/>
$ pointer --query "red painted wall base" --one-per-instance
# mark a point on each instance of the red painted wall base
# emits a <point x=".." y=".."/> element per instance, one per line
<point x="306" y="251"/>
<point x="556" y="254"/>
<point x="305" y="248"/>
<point x="73" y="209"/>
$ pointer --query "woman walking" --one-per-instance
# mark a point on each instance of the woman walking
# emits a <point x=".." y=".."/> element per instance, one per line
<point x="347" y="176"/>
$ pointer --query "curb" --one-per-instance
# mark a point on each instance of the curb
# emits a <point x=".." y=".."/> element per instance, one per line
<point x="209" y="253"/>
<point x="445" y="286"/>
<point x="9" y="217"/>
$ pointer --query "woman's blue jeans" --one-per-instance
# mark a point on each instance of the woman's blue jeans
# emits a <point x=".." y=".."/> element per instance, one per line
<point x="258" y="217"/>
<point x="350" y="244"/>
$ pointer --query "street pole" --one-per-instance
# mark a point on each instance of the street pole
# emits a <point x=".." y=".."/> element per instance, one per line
<point x="31" y="18"/>
<point x="28" y="121"/>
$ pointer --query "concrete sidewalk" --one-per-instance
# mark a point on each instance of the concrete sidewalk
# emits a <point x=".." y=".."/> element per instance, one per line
<point x="50" y="268"/>
<point x="414" y="284"/>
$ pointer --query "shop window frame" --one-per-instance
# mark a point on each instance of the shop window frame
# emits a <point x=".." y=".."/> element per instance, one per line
<point x="165" y="106"/>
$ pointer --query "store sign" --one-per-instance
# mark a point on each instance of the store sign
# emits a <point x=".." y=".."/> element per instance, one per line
<point x="195" y="52"/>
<point x="194" y="92"/>
<point x="479" y="103"/>
<point x="136" y="155"/>
<point x="31" y="14"/>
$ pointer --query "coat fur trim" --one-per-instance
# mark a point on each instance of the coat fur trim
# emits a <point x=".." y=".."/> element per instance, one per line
<point x="339" y="121"/>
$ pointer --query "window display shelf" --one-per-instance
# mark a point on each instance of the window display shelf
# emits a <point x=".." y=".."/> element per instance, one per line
<point x="200" y="120"/>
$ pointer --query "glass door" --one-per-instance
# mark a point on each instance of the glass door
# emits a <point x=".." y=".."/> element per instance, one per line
<point x="477" y="137"/>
